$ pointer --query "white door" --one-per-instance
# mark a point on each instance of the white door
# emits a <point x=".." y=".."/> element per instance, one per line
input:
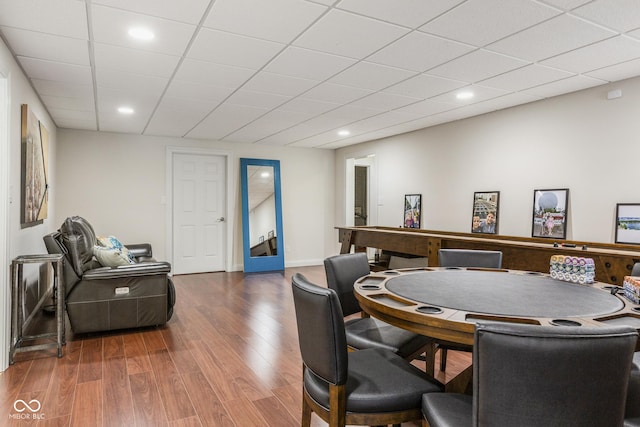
<point x="199" y="229"/>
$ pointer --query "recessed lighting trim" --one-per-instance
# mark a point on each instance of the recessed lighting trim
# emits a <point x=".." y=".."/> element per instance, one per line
<point x="125" y="110"/>
<point x="465" y="95"/>
<point x="344" y="133"/>
<point x="140" y="33"/>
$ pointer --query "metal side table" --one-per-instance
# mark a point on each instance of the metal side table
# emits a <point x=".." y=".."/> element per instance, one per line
<point x="18" y="290"/>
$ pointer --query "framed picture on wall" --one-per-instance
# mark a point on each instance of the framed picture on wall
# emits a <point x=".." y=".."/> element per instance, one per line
<point x="628" y="223"/>
<point x="484" y="218"/>
<point x="412" y="210"/>
<point x="550" y="213"/>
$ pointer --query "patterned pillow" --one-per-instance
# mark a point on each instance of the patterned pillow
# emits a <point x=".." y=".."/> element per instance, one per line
<point x="110" y="257"/>
<point x="113" y="243"/>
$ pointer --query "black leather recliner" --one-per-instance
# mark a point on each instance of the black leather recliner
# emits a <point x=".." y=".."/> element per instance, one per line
<point x="107" y="298"/>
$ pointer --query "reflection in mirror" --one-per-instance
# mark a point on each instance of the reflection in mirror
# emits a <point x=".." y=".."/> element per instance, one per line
<point x="262" y="211"/>
<point x="261" y="215"/>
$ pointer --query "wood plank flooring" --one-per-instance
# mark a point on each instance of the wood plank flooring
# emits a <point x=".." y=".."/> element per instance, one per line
<point x="228" y="357"/>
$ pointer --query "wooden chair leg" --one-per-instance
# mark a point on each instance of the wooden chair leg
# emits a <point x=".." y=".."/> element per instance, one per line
<point x="443" y="359"/>
<point x="306" y="412"/>
<point x="337" y="405"/>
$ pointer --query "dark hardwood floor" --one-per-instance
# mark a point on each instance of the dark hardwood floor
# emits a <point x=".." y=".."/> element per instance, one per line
<point x="228" y="357"/>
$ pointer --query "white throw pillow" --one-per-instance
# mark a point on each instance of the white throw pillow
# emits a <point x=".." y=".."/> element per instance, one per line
<point x="110" y="257"/>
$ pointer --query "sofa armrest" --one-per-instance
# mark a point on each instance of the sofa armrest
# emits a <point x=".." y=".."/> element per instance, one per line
<point x="123" y="271"/>
<point x="140" y="250"/>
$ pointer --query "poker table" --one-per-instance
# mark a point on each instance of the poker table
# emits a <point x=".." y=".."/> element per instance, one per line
<point x="445" y="303"/>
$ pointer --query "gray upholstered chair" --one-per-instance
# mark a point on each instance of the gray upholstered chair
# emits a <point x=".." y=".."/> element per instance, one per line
<point x="366" y="332"/>
<point x="464" y="258"/>
<point x="366" y="387"/>
<point x="527" y="375"/>
<point x="100" y="298"/>
<point x="632" y="410"/>
<point x="469" y="258"/>
<point x="635" y="271"/>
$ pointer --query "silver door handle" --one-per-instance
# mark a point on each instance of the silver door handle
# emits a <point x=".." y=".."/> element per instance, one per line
<point x="221" y="219"/>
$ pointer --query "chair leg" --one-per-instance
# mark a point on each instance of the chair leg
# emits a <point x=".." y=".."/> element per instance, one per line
<point x="306" y="412"/>
<point x="337" y="405"/>
<point x="443" y="359"/>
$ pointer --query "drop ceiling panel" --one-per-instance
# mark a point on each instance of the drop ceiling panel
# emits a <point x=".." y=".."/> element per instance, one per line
<point x="480" y="93"/>
<point x="46" y="46"/>
<point x="189" y="11"/>
<point x="350" y="35"/>
<point x="196" y="91"/>
<point x="619" y="15"/>
<point x="116" y="79"/>
<point x="553" y="37"/>
<point x="279" y="84"/>
<point x="331" y="92"/>
<point x="308" y="64"/>
<point x="477" y="66"/>
<point x="226" y="119"/>
<point x="367" y="75"/>
<point x="526" y="77"/>
<point x="567" y="85"/>
<point x="275" y="20"/>
<point x="62" y="17"/>
<point x="409" y="52"/>
<point x="134" y="61"/>
<point x="56" y="71"/>
<point x="427" y="108"/>
<point x="480" y="22"/>
<point x="231" y="49"/>
<point x="111" y="26"/>
<point x="409" y="13"/>
<point x="69" y="103"/>
<point x="209" y="73"/>
<point x="424" y="86"/>
<point x="308" y="107"/>
<point x="257" y="99"/>
<point x="598" y="55"/>
<point x="384" y="101"/>
<point x="176" y="116"/>
<point x="617" y="72"/>
<point x="51" y="88"/>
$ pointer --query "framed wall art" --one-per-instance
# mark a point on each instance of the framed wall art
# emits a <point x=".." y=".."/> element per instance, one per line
<point x="484" y="218"/>
<point x="412" y="210"/>
<point x="35" y="169"/>
<point x="628" y="223"/>
<point x="550" y="213"/>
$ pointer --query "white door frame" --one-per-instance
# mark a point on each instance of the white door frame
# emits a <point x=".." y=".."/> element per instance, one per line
<point x="231" y="185"/>
<point x="5" y="294"/>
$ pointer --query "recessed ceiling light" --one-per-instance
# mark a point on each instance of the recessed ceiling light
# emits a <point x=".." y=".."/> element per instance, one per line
<point x="344" y="133"/>
<point x="125" y="110"/>
<point x="140" y="33"/>
<point x="465" y="95"/>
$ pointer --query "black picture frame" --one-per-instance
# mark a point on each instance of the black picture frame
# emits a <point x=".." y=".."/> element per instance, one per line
<point x="412" y="210"/>
<point x="628" y="223"/>
<point x="550" y="213"/>
<point x="484" y="217"/>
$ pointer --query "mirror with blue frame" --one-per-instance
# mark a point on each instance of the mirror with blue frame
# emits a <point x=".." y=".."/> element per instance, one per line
<point x="261" y="215"/>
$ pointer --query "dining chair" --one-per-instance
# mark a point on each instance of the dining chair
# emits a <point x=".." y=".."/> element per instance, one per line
<point x="464" y="258"/>
<point x="635" y="271"/>
<point x="366" y="387"/>
<point x="366" y="332"/>
<point x="632" y="409"/>
<point x="529" y="375"/>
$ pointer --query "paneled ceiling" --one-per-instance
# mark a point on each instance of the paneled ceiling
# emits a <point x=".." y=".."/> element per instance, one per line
<point x="297" y="72"/>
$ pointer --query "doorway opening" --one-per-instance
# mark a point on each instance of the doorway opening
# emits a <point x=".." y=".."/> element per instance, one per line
<point x="361" y="195"/>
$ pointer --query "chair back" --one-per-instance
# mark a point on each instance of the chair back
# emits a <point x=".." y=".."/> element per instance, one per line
<point x="527" y="375"/>
<point x="342" y="271"/>
<point x="469" y="258"/>
<point x="321" y="335"/>
<point x="636" y="269"/>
